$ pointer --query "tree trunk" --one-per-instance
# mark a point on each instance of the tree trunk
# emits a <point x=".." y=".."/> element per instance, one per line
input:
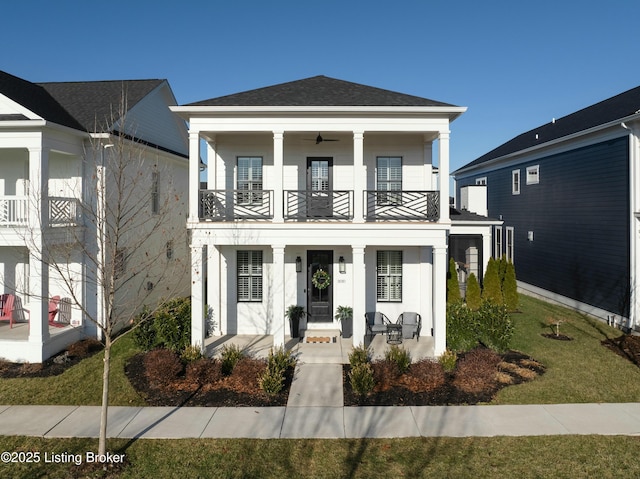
<point x="102" y="443"/>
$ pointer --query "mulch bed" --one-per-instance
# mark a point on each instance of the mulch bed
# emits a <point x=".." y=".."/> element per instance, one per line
<point x="227" y="393"/>
<point x="627" y="346"/>
<point x="514" y="368"/>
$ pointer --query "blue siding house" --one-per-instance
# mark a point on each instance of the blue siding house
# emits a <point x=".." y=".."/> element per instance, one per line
<point x="568" y="193"/>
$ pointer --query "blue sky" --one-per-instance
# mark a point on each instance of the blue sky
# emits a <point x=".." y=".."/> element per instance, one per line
<point x="515" y="65"/>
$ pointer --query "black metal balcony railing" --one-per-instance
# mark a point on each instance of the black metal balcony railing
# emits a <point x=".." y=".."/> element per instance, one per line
<point x="228" y="205"/>
<point x="309" y="205"/>
<point x="402" y="205"/>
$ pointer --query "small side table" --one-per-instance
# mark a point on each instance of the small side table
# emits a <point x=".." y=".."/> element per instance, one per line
<point x="394" y="334"/>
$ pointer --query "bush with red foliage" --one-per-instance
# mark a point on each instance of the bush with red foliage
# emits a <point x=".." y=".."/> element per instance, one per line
<point x="246" y="375"/>
<point x="425" y="375"/>
<point x="476" y="371"/>
<point x="385" y="375"/>
<point x="204" y="371"/>
<point x="84" y="348"/>
<point x="162" y="366"/>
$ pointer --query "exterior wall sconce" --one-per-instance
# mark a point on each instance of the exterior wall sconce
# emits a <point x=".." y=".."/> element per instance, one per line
<point x="341" y="266"/>
<point x="298" y="264"/>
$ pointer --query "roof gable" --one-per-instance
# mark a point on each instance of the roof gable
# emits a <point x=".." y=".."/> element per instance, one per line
<point x="615" y="108"/>
<point x="319" y="91"/>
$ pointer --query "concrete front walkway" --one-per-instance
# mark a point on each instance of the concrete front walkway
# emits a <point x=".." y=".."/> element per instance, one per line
<point x="323" y="422"/>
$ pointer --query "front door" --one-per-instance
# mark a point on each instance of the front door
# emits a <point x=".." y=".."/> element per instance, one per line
<point x="319" y="288"/>
<point x="319" y="196"/>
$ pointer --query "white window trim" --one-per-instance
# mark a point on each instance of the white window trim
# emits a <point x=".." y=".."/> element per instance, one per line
<point x="515" y="182"/>
<point x="253" y="296"/>
<point x="481" y="181"/>
<point x="388" y="276"/>
<point x="533" y="175"/>
<point x="497" y="242"/>
<point x="510" y="243"/>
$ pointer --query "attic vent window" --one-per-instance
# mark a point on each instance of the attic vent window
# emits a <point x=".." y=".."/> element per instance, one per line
<point x="533" y="175"/>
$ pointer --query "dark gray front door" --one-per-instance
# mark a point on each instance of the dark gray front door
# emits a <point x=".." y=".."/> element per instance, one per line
<point x="319" y="300"/>
<point x="319" y="197"/>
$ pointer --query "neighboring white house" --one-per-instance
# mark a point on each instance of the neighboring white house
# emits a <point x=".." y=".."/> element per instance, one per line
<point x="55" y="142"/>
<point x="318" y="174"/>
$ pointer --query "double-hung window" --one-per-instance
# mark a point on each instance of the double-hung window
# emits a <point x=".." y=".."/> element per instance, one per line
<point x="155" y="192"/>
<point x="515" y="182"/>
<point x="509" y="245"/>
<point x="497" y="250"/>
<point x="249" y="275"/>
<point x="389" y="179"/>
<point x="389" y="276"/>
<point x="249" y="179"/>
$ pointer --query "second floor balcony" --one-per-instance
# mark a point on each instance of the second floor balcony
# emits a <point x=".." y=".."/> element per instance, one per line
<point x="311" y="205"/>
<point x="14" y="211"/>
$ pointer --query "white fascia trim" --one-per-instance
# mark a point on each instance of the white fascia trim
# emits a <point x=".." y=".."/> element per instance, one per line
<point x="547" y="144"/>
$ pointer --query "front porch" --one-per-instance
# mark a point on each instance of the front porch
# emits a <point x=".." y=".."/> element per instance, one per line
<point x="335" y="352"/>
<point x="15" y="345"/>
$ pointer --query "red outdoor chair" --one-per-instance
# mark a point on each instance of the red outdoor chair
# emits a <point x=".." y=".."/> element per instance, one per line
<point x="7" y="309"/>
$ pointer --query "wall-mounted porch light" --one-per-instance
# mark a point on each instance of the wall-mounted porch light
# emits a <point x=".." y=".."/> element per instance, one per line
<point x="341" y="266"/>
<point x="298" y="264"/>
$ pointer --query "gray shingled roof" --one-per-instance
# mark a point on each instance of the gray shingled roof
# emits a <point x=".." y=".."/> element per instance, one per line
<point x="78" y="105"/>
<point x="319" y="91"/>
<point x="615" y="108"/>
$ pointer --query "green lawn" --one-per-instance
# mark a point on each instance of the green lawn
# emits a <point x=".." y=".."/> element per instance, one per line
<point x="529" y="457"/>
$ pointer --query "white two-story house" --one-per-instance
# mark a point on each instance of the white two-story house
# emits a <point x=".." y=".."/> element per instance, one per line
<point x="318" y="174"/>
<point x="58" y="193"/>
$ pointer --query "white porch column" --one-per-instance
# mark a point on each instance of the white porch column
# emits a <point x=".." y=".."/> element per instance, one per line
<point x="443" y="175"/>
<point x="213" y="287"/>
<point x="38" y="261"/>
<point x="439" y="299"/>
<point x="212" y="163"/>
<point x="426" y="289"/>
<point x="428" y="164"/>
<point x="359" y="177"/>
<point x="278" y="161"/>
<point x="486" y="253"/>
<point x="277" y="296"/>
<point x="359" y="295"/>
<point x="194" y="175"/>
<point x="197" y="296"/>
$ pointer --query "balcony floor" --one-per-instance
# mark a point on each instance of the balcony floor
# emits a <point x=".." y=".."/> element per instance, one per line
<point x="20" y="331"/>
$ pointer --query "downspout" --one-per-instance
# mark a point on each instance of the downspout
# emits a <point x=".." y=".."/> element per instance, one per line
<point x="633" y="227"/>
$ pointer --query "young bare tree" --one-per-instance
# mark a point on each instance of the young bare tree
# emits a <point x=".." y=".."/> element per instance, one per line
<point x="125" y="245"/>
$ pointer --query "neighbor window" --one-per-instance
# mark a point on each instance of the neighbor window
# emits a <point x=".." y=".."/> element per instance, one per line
<point x="120" y="262"/>
<point x="497" y="249"/>
<point x="389" y="276"/>
<point x="389" y="178"/>
<point x="249" y="275"/>
<point x="515" y="182"/>
<point x="481" y="181"/>
<point x="533" y="175"/>
<point x="155" y="192"/>
<point x="169" y="249"/>
<point x="509" y="248"/>
<point x="249" y="179"/>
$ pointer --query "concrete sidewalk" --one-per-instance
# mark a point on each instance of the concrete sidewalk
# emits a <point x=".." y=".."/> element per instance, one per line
<point x="323" y="422"/>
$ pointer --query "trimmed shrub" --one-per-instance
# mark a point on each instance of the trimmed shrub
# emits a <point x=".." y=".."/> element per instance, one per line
<point x="191" y="353"/>
<point x="461" y="327"/>
<point x="361" y="379"/>
<point x="230" y="355"/>
<point x="425" y="375"/>
<point x="399" y="356"/>
<point x="476" y="371"/>
<point x="271" y="381"/>
<point x="359" y="355"/>
<point x="473" y="297"/>
<point x="453" y="287"/>
<point x="162" y="366"/>
<point x="448" y="360"/>
<point x="510" y="288"/>
<point x="491" y="289"/>
<point x="494" y="326"/>
<point x="173" y="324"/>
<point x="144" y="334"/>
<point x="280" y="359"/>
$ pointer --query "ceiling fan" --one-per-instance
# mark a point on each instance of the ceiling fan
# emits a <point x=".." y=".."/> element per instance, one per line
<point x="319" y="139"/>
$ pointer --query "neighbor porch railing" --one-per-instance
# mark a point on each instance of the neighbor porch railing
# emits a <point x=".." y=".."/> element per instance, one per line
<point x="318" y="205"/>
<point x="402" y="205"/>
<point x="63" y="211"/>
<point x="227" y="205"/>
<point x="13" y="211"/>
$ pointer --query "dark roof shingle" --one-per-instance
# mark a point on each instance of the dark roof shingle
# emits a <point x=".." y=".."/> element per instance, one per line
<point x="606" y="111"/>
<point x="319" y="91"/>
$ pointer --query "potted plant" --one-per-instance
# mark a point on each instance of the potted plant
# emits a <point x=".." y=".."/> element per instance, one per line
<point x="344" y="314"/>
<point x="295" y="314"/>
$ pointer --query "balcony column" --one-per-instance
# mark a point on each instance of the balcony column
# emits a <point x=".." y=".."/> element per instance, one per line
<point x="212" y="163"/>
<point x="278" y="161"/>
<point x="443" y="175"/>
<point x="39" y="289"/>
<point x="359" y="177"/>
<point x="38" y="189"/>
<point x="428" y="164"/>
<point x="277" y="294"/>
<point x="359" y="300"/>
<point x="439" y="282"/>
<point x="197" y="296"/>
<point x="194" y="175"/>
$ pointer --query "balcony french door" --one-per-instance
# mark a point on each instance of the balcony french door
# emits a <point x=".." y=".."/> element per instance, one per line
<point x="319" y="199"/>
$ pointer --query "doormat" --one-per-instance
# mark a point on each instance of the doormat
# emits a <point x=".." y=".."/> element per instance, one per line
<point x="319" y="339"/>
